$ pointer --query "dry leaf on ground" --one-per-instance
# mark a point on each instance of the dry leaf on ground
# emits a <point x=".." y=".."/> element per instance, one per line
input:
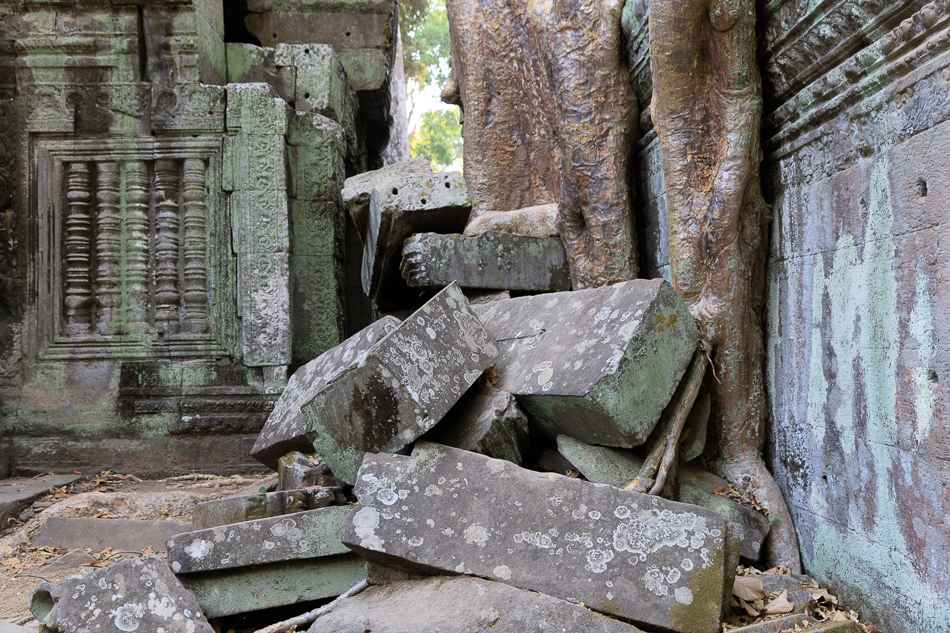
<point x="748" y="589"/>
<point x="779" y="605"/>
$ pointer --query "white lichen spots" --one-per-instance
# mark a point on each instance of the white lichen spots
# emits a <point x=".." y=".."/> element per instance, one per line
<point x="476" y="534"/>
<point x="199" y="548"/>
<point x="448" y="531"/>
<point x="622" y="512"/>
<point x="176" y="567"/>
<point x="653" y="581"/>
<point x="415" y="541"/>
<point x="432" y="490"/>
<point x="503" y="572"/>
<point x="595" y="515"/>
<point x="687" y="564"/>
<point x="683" y="595"/>
<point x="286" y="529"/>
<point x="537" y="539"/>
<point x="673" y="575"/>
<point x="704" y="554"/>
<point x="430" y="332"/>
<point x="496" y="465"/>
<point x="163" y="607"/>
<point x="460" y="568"/>
<point x="578" y="364"/>
<point x="387" y="496"/>
<point x="545" y="376"/>
<point x="430" y="522"/>
<point x="597" y="560"/>
<point x="269" y="545"/>
<point x="579" y="513"/>
<point x="555" y="499"/>
<point x="648" y="531"/>
<point x="128" y="616"/>
<point x="365" y="523"/>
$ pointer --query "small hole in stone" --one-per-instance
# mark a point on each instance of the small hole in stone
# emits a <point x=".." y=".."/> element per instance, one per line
<point x="921" y="187"/>
<point x="395" y="191"/>
<point x="274" y="35"/>
<point x="423" y="201"/>
<point x="932" y="376"/>
<point x="447" y="186"/>
<point x="306" y="51"/>
<point x="306" y="95"/>
<point x="348" y="33"/>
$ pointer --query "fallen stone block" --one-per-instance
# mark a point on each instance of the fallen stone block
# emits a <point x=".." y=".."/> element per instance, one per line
<point x="297" y="470"/>
<point x="398" y="208"/>
<point x="133" y="594"/>
<point x="358" y="190"/>
<point x="486" y="421"/>
<point x="286" y="427"/>
<point x="16" y="494"/>
<point x="70" y="560"/>
<point x="403" y="385"/>
<point x="654" y="562"/>
<point x="320" y="82"/>
<point x="275" y="539"/>
<point x="618" y="467"/>
<point x="598" y="364"/>
<point x="240" y="508"/>
<point x="491" y="260"/>
<point x="131" y="535"/>
<point x="460" y="604"/>
<point x="797" y="594"/>
<point x="245" y="589"/>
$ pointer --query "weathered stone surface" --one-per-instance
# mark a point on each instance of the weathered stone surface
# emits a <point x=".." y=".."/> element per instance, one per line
<point x="783" y="625"/>
<point x="17" y="494"/>
<point x="441" y="605"/>
<point x="492" y="260"/>
<point x="255" y="109"/>
<point x="339" y="30"/>
<point x="642" y="558"/>
<point x="598" y="364"/>
<point x="403" y="386"/>
<point x="297" y="470"/>
<point x="618" y="467"/>
<point x="485" y="296"/>
<point x="286" y="427"/>
<point x="797" y="594"/>
<point x="320" y="84"/>
<point x="132" y="594"/>
<point x="536" y="221"/>
<point x="274" y="539"/>
<point x="131" y="535"/>
<point x="358" y="190"/>
<point x="231" y="591"/>
<point x="436" y="202"/>
<point x="240" y="508"/>
<point x="486" y="421"/>
<point x="248" y="63"/>
<point x="265" y="301"/>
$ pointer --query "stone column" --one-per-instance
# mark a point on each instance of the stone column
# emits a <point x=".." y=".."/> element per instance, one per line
<point x="78" y="282"/>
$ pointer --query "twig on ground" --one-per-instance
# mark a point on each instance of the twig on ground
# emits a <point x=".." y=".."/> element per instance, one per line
<point x="311" y="616"/>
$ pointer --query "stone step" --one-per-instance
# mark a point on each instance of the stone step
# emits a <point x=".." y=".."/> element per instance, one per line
<point x="130" y="535"/>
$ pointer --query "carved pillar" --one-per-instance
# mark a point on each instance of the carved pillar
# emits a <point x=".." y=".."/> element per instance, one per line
<point x="78" y="281"/>
<point x="136" y="244"/>
<point x="167" y="299"/>
<point x="108" y="245"/>
<point x="195" y="252"/>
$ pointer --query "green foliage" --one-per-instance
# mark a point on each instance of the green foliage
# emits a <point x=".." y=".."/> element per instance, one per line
<point x="424" y="26"/>
<point x="439" y="138"/>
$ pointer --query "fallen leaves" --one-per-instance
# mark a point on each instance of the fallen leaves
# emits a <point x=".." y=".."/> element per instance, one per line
<point x="779" y="605"/>
<point x="748" y="589"/>
<point x="745" y="498"/>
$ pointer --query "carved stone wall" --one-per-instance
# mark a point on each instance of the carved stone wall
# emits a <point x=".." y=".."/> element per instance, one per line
<point x="856" y="162"/>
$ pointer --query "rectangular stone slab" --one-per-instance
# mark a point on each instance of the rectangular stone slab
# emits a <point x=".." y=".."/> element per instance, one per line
<point x="240" y="508"/>
<point x="275" y="539"/>
<point x="598" y="364"/>
<point x="286" y="427"/>
<point x="403" y="386"/>
<point x="131" y="535"/>
<point x="492" y="260"/>
<point x="654" y="562"/>
<point x="457" y="604"/>
<point x="618" y="467"/>
<point x="231" y="591"/>
<point x="16" y="494"/>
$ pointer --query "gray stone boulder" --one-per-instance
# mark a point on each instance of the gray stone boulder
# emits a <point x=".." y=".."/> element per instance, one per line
<point x="297" y="470"/>
<point x="598" y="364"/>
<point x="618" y="467"/>
<point x="286" y="427"/>
<point x="647" y="560"/>
<point x="446" y="605"/>
<point x="500" y="261"/>
<point x="357" y="190"/>
<point x="134" y="594"/>
<point x="402" y="386"/>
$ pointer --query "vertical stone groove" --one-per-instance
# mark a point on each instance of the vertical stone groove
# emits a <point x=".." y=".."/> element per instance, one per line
<point x="108" y="245"/>
<point x="78" y="245"/>
<point x="195" y="251"/>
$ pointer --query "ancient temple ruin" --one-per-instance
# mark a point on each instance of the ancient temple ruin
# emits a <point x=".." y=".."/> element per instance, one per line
<point x="215" y="257"/>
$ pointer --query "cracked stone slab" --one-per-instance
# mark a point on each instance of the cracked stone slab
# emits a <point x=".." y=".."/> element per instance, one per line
<point x="403" y="385"/>
<point x="437" y="605"/>
<point x="654" y="562"/>
<point x="132" y="535"/>
<point x="486" y="421"/>
<point x="286" y="427"/>
<point x="500" y="261"/>
<point x="18" y="493"/>
<point x="599" y="364"/>
<point x="134" y="594"/>
<point x="276" y="539"/>
<point x="618" y="467"/>
<point x="240" y="508"/>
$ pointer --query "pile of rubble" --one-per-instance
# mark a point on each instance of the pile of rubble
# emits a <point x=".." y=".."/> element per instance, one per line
<point x="414" y="481"/>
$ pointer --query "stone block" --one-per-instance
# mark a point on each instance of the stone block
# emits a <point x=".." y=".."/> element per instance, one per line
<point x="321" y="85"/>
<point x="797" y="594"/>
<point x="264" y="298"/>
<point x="792" y="624"/>
<point x="297" y="470"/>
<point x="598" y="364"/>
<point x="132" y="594"/>
<point x="644" y="559"/>
<point x="499" y="261"/>
<point x="240" y="508"/>
<point x="317" y="151"/>
<point x="486" y="421"/>
<point x="256" y="109"/>
<point x="366" y="68"/>
<point x="358" y="190"/>
<point x="275" y="539"/>
<point x="405" y="384"/>
<point x="259" y="222"/>
<point x="17" y="494"/>
<point x="131" y="535"/>
<point x="255" y="163"/>
<point x="252" y="64"/>
<point x="435" y="202"/>
<point x="618" y="467"/>
<point x="231" y="591"/>
<point x="456" y="604"/>
<point x="318" y="310"/>
<point x="339" y="30"/>
<point x="286" y="427"/>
